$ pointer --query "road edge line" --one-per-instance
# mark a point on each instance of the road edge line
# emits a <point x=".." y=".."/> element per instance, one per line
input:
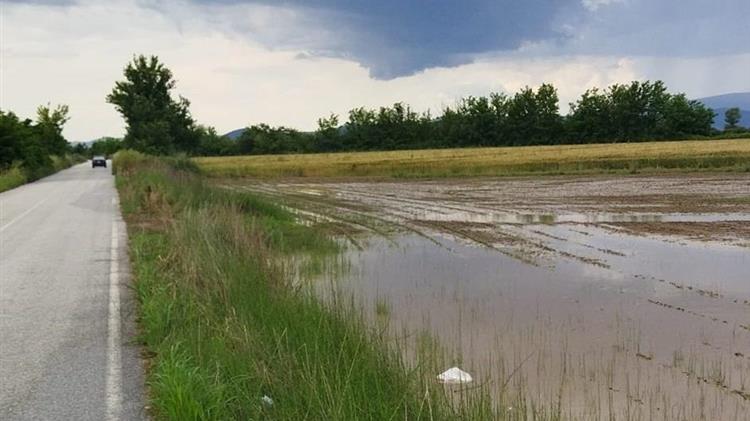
<point x="114" y="352"/>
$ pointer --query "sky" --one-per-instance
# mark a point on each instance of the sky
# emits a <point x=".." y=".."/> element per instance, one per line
<point x="290" y="62"/>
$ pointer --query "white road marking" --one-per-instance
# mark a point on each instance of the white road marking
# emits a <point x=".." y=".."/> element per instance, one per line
<point x="19" y="217"/>
<point x="114" y="360"/>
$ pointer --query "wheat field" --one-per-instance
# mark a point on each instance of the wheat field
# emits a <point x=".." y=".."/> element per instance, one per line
<point x="694" y="155"/>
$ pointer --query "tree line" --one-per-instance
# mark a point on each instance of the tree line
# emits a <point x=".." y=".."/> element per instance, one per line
<point x="158" y="123"/>
<point x="32" y="144"/>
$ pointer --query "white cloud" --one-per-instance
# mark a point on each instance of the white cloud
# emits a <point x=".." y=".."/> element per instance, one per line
<point x="74" y="55"/>
<point x="594" y="5"/>
<point x="699" y="76"/>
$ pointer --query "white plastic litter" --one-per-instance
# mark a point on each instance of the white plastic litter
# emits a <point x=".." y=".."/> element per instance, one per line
<point x="454" y="376"/>
<point x="267" y="400"/>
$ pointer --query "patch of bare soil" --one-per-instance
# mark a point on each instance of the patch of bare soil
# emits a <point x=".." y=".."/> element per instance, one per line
<point x="479" y="232"/>
<point x="723" y="231"/>
<point x="522" y="216"/>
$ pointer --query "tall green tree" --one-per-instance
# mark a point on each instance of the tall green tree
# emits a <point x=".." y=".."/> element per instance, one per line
<point x="683" y="117"/>
<point x="15" y="135"/>
<point x="732" y="118"/>
<point x="328" y="136"/>
<point x="156" y="122"/>
<point x="49" y="125"/>
<point x="590" y="117"/>
<point x="533" y="117"/>
<point x="31" y="144"/>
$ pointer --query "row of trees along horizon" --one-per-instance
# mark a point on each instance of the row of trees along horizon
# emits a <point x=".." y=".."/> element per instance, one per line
<point x="639" y="111"/>
<point x="158" y="123"/>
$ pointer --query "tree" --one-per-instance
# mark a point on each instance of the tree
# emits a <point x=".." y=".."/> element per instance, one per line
<point x="264" y="139"/>
<point x="214" y="145"/>
<point x="548" y="120"/>
<point x="589" y="117"/>
<point x="533" y="116"/>
<point x="328" y="136"/>
<point x="105" y="146"/>
<point x="49" y="125"/>
<point x="156" y="123"/>
<point x="81" y="148"/>
<point x="21" y="143"/>
<point x="361" y="129"/>
<point x="683" y="117"/>
<point x="14" y="136"/>
<point x="732" y="118"/>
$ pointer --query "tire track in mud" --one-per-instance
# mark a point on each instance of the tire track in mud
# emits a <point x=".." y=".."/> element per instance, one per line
<point x="335" y="211"/>
<point x="419" y="214"/>
<point x="525" y="247"/>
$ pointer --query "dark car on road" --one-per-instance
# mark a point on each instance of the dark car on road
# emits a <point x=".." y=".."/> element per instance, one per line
<point x="98" y="161"/>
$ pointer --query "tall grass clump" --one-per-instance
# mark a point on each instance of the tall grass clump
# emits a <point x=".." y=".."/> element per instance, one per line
<point x="21" y="173"/>
<point x="231" y="334"/>
<point x="11" y="178"/>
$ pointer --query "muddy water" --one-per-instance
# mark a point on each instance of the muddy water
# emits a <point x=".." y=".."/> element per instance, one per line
<point x="622" y="333"/>
<point x="609" y="298"/>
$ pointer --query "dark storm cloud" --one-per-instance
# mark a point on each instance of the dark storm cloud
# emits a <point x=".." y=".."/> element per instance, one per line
<point x="394" y="37"/>
<point x="399" y="37"/>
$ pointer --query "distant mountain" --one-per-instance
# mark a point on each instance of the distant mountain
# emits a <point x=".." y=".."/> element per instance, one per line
<point x="720" y="104"/>
<point x="736" y="99"/>
<point x="235" y="134"/>
<point x="719" y="119"/>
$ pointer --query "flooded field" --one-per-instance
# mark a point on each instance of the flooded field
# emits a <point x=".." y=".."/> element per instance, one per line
<point x="593" y="298"/>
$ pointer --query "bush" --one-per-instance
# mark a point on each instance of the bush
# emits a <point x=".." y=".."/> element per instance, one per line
<point x="11" y="178"/>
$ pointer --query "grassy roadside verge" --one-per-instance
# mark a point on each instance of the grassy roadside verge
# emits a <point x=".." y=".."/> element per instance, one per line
<point x="702" y="155"/>
<point x="17" y="175"/>
<point x="226" y="324"/>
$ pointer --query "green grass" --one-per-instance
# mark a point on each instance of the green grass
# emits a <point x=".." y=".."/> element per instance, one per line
<point x="17" y="175"/>
<point x="227" y="322"/>
<point x="695" y="155"/>
<point x="12" y="178"/>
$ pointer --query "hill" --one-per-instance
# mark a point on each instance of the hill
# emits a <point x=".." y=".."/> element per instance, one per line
<point x="720" y="104"/>
<point x="235" y="134"/>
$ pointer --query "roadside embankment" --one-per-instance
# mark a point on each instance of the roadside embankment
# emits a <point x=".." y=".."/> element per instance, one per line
<point x="18" y="174"/>
<point x="231" y="330"/>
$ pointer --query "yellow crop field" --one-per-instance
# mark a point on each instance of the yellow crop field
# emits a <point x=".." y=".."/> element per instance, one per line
<point x="700" y="155"/>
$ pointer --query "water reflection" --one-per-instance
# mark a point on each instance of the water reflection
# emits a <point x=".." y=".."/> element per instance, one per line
<point x="493" y="217"/>
<point x="647" y="310"/>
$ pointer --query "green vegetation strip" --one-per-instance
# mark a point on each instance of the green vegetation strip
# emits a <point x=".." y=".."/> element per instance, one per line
<point x="706" y="155"/>
<point x="226" y="325"/>
<point x="17" y="175"/>
<point x="12" y="178"/>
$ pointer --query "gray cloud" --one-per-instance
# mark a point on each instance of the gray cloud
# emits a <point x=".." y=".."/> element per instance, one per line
<point x="395" y="38"/>
<point x="677" y="28"/>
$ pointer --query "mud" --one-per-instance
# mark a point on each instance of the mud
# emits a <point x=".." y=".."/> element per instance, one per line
<point x="603" y="297"/>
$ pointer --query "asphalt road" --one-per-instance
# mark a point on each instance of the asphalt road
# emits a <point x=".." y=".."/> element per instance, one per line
<point x="66" y="312"/>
